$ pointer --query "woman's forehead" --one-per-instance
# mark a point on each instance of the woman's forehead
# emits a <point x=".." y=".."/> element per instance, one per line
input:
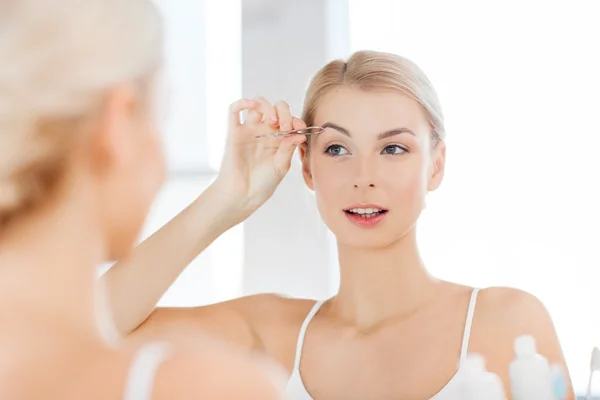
<point x="356" y="109"/>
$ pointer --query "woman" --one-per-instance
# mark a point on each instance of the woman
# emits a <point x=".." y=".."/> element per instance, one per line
<point x="81" y="163"/>
<point x="392" y="330"/>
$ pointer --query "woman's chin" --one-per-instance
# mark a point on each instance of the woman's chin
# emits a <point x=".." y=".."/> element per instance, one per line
<point x="366" y="241"/>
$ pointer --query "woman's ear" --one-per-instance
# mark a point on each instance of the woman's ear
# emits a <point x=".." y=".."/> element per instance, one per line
<point x="304" y="152"/>
<point x="438" y="161"/>
<point x="112" y="144"/>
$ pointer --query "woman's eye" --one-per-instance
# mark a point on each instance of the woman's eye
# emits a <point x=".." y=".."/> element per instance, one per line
<point x="336" y="150"/>
<point x="393" y="149"/>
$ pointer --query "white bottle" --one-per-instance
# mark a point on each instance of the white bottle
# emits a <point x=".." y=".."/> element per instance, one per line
<point x="530" y="374"/>
<point x="478" y="383"/>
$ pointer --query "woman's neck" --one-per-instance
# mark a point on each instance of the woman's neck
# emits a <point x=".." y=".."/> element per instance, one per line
<point x="381" y="284"/>
<point x="48" y="264"/>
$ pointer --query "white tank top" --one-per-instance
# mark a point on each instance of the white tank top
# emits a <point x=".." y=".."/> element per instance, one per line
<point x="142" y="374"/>
<point x="295" y="389"/>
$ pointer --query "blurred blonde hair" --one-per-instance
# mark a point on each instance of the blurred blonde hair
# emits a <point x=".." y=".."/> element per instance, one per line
<point x="59" y="60"/>
<point x="374" y="70"/>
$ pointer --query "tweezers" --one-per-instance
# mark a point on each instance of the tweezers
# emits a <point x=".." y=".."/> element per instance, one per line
<point x="311" y="130"/>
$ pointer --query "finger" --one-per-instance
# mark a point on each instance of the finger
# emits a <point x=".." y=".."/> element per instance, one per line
<point x="268" y="111"/>
<point x="283" y="157"/>
<point x="284" y="115"/>
<point x="237" y="107"/>
<point x="254" y="117"/>
<point x="298" y="123"/>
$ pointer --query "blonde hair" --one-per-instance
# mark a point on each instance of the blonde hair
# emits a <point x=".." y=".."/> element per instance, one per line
<point x="59" y="60"/>
<point x="374" y="70"/>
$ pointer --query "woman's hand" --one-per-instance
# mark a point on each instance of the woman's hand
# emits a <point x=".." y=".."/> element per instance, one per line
<point x="253" y="168"/>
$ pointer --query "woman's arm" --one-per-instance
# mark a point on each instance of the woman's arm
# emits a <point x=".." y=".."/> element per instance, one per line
<point x="250" y="172"/>
<point x="135" y="285"/>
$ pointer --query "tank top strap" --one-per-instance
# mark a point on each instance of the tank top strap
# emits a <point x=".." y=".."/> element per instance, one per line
<point x="468" y="324"/>
<point x="142" y="374"/>
<point x="300" y="343"/>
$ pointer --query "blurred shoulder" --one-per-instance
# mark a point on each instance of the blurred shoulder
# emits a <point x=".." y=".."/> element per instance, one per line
<point x="164" y="371"/>
<point x="208" y="369"/>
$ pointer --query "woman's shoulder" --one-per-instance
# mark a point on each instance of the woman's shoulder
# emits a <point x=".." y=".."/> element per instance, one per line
<point x="271" y="308"/>
<point x="499" y="303"/>
<point x="501" y="316"/>
<point x="511" y="306"/>
<point x="274" y="314"/>
<point x="207" y="369"/>
<point x="277" y="321"/>
<point x="256" y="306"/>
<point x="161" y="370"/>
<point x="252" y="322"/>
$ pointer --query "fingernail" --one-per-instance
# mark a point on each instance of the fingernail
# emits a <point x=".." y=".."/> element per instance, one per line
<point x="273" y="118"/>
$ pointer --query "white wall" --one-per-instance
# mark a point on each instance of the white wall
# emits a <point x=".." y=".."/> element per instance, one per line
<point x="186" y="73"/>
<point x="520" y="88"/>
